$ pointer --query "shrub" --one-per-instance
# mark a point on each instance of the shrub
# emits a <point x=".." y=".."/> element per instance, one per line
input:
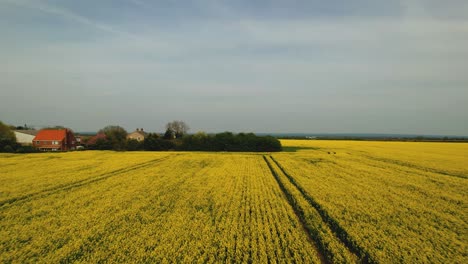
<point x="154" y="142"/>
<point x="8" y="149"/>
<point x="228" y="141"/>
<point x="134" y="145"/>
<point x="26" y="149"/>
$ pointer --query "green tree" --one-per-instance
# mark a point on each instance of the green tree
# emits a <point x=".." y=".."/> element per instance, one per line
<point x="133" y="145"/>
<point x="228" y="141"/>
<point x="7" y="138"/>
<point x="169" y="134"/>
<point x="116" y="135"/>
<point x="154" y="142"/>
<point x="102" y="144"/>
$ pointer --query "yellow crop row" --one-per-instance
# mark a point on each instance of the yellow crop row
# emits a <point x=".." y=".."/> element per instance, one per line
<point x="440" y="157"/>
<point x="23" y="175"/>
<point x="335" y="201"/>
<point x="396" y="211"/>
<point x="330" y="246"/>
<point x="203" y="208"/>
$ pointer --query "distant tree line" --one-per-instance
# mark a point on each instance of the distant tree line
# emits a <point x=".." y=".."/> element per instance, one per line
<point x="176" y="138"/>
<point x="228" y="141"/>
<point x="112" y="141"/>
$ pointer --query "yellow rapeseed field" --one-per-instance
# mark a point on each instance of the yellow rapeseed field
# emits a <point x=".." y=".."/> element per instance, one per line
<point x="167" y="207"/>
<point x="317" y="202"/>
<point x="392" y="201"/>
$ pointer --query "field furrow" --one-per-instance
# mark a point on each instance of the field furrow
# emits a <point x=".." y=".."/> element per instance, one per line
<point x="394" y="212"/>
<point x="49" y="171"/>
<point x="317" y="202"/>
<point x="190" y="208"/>
<point x="323" y="233"/>
<point x="79" y="183"/>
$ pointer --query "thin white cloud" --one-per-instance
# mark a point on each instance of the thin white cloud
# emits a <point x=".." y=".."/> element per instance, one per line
<point x="66" y="14"/>
<point x="302" y="64"/>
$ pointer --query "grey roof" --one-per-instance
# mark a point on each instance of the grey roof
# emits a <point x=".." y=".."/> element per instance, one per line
<point x="29" y="132"/>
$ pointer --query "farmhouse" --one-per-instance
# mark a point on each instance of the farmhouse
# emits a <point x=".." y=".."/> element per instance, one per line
<point x="55" y="140"/>
<point x="25" y="137"/>
<point x="138" y="134"/>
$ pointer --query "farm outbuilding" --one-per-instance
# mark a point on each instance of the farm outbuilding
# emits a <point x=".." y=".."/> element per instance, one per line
<point x="25" y="137"/>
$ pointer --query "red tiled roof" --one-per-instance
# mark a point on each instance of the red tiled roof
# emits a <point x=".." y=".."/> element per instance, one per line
<point x="94" y="139"/>
<point x="51" y="134"/>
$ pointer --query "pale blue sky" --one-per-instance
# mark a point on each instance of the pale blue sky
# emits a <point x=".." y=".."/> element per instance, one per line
<point x="373" y="66"/>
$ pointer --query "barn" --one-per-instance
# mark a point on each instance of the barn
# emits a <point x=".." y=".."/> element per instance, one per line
<point x="25" y="137"/>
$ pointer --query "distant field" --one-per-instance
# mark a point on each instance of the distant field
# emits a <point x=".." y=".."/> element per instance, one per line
<point x="319" y="201"/>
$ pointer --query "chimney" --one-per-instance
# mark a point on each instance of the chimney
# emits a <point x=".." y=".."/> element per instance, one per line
<point x="141" y="129"/>
<point x="137" y="130"/>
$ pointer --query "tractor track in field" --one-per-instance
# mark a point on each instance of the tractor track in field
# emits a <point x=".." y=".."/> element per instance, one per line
<point x="415" y="166"/>
<point x="76" y="184"/>
<point x="339" y="232"/>
<point x="299" y="214"/>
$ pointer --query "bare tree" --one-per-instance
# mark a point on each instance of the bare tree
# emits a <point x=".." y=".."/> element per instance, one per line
<point x="179" y="128"/>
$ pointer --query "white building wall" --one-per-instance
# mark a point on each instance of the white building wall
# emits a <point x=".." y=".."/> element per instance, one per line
<point x="24" y="138"/>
